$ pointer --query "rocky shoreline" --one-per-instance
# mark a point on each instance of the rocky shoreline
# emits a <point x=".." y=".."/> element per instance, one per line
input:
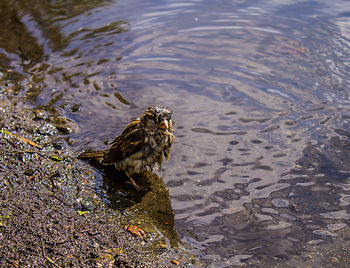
<point x="51" y="215"/>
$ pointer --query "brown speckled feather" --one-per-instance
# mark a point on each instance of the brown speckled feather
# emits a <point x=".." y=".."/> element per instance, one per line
<point x="130" y="141"/>
<point x="142" y="145"/>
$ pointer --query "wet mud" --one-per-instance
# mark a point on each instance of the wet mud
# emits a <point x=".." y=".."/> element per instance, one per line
<point x="50" y="214"/>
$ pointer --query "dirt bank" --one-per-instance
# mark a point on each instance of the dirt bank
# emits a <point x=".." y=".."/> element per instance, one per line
<point x="50" y="214"/>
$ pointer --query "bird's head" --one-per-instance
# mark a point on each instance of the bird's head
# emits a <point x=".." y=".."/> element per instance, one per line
<point x="157" y="118"/>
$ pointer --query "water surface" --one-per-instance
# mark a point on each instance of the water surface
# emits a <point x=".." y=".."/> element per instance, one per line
<point x="260" y="94"/>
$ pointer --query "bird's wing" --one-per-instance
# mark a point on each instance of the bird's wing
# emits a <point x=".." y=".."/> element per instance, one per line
<point x="128" y="142"/>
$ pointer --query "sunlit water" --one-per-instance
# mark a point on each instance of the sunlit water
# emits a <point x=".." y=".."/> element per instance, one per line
<point x="260" y="94"/>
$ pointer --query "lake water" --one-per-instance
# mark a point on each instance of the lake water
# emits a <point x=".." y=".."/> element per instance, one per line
<point x="260" y="93"/>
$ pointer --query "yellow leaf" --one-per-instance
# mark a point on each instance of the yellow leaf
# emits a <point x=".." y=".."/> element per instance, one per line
<point x="55" y="158"/>
<point x="81" y="212"/>
<point x="5" y="132"/>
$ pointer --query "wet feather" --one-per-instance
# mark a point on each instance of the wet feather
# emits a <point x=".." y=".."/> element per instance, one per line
<point x="143" y="143"/>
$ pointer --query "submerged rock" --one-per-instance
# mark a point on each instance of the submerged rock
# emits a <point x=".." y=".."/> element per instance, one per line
<point x="280" y="203"/>
<point x="47" y="129"/>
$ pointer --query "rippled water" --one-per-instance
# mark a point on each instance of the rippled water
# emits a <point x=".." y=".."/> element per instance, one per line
<point x="260" y="93"/>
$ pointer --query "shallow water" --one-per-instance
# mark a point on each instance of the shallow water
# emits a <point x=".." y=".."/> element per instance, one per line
<point x="260" y="94"/>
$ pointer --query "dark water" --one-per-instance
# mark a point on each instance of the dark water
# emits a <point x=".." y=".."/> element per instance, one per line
<point x="260" y="93"/>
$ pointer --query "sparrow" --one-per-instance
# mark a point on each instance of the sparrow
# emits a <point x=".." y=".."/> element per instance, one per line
<point x="142" y="145"/>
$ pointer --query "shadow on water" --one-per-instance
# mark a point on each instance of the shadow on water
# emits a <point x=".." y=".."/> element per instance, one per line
<point x="154" y="202"/>
<point x="151" y="205"/>
<point x="49" y="58"/>
<point x="18" y="44"/>
<point x="36" y="33"/>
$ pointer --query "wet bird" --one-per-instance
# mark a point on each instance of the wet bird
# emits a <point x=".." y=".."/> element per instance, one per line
<point x="143" y="143"/>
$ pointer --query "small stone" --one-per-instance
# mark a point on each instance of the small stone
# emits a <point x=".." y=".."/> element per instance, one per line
<point x="315" y="242"/>
<point x="87" y="204"/>
<point x="269" y="210"/>
<point x="287" y="216"/>
<point x="324" y="233"/>
<point x="336" y="226"/>
<point x="75" y="108"/>
<point x="280" y="203"/>
<point x="29" y="172"/>
<point x="280" y="225"/>
<point x="40" y="115"/>
<point x="64" y="125"/>
<point x="47" y="129"/>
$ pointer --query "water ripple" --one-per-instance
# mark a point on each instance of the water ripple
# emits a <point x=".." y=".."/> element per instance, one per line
<point x="260" y="98"/>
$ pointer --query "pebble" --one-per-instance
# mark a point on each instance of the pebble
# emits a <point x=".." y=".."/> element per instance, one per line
<point x="47" y="129"/>
<point x="324" y="233"/>
<point x="269" y="210"/>
<point x="315" y="242"/>
<point x="280" y="203"/>
<point x="280" y="225"/>
<point x="40" y="114"/>
<point x="87" y="204"/>
<point x="336" y="226"/>
<point x="287" y="216"/>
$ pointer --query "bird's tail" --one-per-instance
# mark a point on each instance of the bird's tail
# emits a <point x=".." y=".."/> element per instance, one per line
<point x="92" y="155"/>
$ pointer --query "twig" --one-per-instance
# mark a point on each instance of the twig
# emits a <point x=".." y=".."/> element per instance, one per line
<point x="46" y="257"/>
<point x="32" y="143"/>
<point x="50" y="260"/>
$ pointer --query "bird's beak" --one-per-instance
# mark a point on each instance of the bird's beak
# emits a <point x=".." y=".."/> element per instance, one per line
<point x="164" y="124"/>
